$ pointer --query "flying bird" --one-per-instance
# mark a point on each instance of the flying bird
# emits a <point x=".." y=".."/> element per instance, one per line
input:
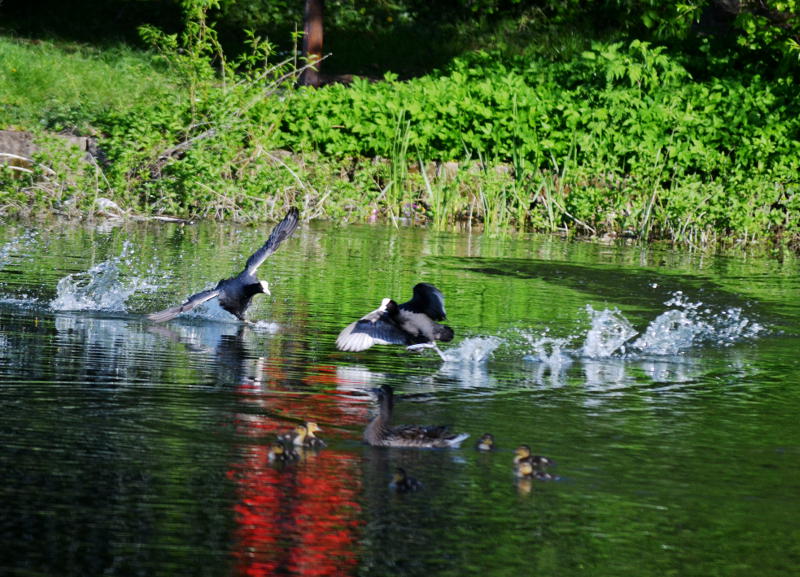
<point x="235" y="294"/>
<point x="412" y="324"/>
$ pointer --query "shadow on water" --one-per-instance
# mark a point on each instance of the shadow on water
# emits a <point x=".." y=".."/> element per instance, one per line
<point x="134" y="448"/>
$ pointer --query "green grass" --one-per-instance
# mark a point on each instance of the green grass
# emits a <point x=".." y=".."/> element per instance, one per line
<point x="617" y="140"/>
<point x="67" y="86"/>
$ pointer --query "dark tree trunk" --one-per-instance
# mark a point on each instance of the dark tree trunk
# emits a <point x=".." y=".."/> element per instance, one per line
<point x="312" y="41"/>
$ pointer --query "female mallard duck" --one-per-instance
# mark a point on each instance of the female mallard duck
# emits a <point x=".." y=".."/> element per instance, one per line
<point x="523" y="454"/>
<point x="235" y="293"/>
<point x="486" y="442"/>
<point x="411" y="324"/>
<point x="305" y="437"/>
<point x="402" y="483"/>
<point x="379" y="433"/>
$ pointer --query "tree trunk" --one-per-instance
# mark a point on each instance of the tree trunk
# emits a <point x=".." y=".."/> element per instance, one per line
<point x="312" y="41"/>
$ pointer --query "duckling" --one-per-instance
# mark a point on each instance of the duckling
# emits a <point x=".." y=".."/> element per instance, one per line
<point x="279" y="453"/>
<point x="379" y="433"/>
<point x="523" y="453"/>
<point x="235" y="293"/>
<point x="486" y="442"/>
<point x="411" y="324"/>
<point x="304" y="436"/>
<point x="526" y="470"/>
<point x="402" y="483"/>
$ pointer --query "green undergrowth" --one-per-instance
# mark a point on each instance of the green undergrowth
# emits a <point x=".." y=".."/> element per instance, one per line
<point x="616" y="140"/>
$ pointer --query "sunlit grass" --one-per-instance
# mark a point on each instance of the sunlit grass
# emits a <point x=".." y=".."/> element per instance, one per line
<point x="64" y="86"/>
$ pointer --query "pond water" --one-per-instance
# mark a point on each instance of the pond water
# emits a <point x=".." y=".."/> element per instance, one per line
<point x="665" y="385"/>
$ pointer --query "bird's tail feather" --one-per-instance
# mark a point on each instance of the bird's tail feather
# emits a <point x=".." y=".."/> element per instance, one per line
<point x="456" y="441"/>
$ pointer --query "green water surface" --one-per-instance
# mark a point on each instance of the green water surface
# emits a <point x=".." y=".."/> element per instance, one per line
<point x="128" y="448"/>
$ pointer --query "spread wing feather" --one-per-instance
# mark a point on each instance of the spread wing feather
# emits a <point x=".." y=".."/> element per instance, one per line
<point x="427" y="300"/>
<point x="281" y="232"/>
<point x="376" y="328"/>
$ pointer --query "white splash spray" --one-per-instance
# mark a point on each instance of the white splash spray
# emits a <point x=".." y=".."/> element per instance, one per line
<point x="104" y="287"/>
<point x="690" y="324"/>
<point x="683" y="326"/>
<point x="473" y="350"/>
<point x="608" y="333"/>
<point x="15" y="244"/>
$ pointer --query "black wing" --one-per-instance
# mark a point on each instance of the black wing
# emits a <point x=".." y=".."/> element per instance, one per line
<point x="281" y="232"/>
<point x="376" y="328"/>
<point x="191" y="302"/>
<point x="428" y="300"/>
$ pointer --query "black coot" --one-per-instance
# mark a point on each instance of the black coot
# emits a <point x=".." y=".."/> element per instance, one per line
<point x="412" y="324"/>
<point x="235" y="293"/>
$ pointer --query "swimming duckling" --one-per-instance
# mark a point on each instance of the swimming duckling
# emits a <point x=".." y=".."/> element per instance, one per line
<point x="523" y="453"/>
<point x="304" y="436"/>
<point x="402" y="483"/>
<point x="411" y="324"/>
<point x="526" y="470"/>
<point x="235" y="294"/>
<point x="379" y="433"/>
<point x="279" y="453"/>
<point x="486" y="442"/>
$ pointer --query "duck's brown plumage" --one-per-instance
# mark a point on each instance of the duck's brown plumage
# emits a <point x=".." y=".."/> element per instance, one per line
<point x="380" y="432"/>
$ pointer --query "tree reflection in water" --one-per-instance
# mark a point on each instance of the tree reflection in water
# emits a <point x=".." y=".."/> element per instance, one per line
<point x="300" y="518"/>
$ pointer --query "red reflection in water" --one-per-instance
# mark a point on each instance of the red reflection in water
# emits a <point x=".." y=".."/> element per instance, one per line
<point x="301" y="518"/>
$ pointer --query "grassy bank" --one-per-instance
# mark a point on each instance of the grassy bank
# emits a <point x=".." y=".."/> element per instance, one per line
<point x="612" y="139"/>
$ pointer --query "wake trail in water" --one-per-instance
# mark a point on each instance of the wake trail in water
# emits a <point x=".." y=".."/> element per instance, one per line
<point x="105" y="287"/>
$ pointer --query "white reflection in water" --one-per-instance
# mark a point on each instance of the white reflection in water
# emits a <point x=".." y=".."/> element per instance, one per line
<point x="357" y="378"/>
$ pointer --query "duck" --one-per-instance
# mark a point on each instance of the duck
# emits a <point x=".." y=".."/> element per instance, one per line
<point x="523" y="454"/>
<point x="526" y="470"/>
<point x="304" y="436"/>
<point x="412" y="323"/>
<point x="380" y="433"/>
<point x="486" y="442"/>
<point x="279" y="453"/>
<point x="235" y="294"/>
<point x="402" y="483"/>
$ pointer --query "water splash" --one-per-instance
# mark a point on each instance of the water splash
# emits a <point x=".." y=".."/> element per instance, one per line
<point x="690" y="324"/>
<point x="684" y="326"/>
<point x="608" y="333"/>
<point x="15" y="244"/>
<point x="104" y="287"/>
<point x="267" y="327"/>
<point x="473" y="350"/>
<point x="548" y="350"/>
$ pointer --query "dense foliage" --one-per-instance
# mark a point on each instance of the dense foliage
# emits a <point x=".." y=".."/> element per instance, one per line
<point x="625" y="137"/>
